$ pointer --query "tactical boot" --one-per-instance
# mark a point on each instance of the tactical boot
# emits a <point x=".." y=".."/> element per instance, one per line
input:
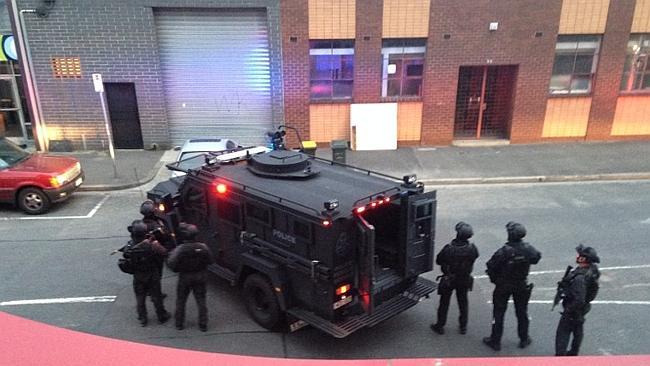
<point x="492" y="344"/>
<point x="525" y="343"/>
<point x="143" y="321"/>
<point x="463" y="330"/>
<point x="179" y="326"/>
<point x="437" y="328"/>
<point x="162" y="319"/>
<point x="203" y="327"/>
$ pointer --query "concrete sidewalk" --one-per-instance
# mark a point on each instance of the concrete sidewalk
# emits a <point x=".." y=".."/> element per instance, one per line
<point x="443" y="165"/>
<point x="513" y="163"/>
<point x="133" y="168"/>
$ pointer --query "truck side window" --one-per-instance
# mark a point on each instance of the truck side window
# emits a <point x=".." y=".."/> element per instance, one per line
<point x="196" y="207"/>
<point x="258" y="213"/>
<point x="424" y="210"/>
<point x="229" y="211"/>
<point x="280" y="220"/>
<point x="301" y="230"/>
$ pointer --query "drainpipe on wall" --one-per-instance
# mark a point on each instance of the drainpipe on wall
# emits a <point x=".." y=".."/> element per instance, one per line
<point x="29" y="78"/>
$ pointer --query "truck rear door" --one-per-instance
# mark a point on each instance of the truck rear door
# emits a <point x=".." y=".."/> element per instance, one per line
<point x="420" y="233"/>
<point x="366" y="255"/>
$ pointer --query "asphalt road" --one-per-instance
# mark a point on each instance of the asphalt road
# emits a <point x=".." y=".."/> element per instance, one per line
<point x="65" y="255"/>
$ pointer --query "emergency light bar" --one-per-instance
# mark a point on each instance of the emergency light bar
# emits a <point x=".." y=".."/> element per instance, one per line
<point x="373" y="204"/>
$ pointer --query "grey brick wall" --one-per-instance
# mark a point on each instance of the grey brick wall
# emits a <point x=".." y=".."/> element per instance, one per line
<point x="117" y="39"/>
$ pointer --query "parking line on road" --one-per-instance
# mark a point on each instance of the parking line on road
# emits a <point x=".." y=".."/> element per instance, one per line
<point x="64" y="300"/>
<point x="87" y="216"/>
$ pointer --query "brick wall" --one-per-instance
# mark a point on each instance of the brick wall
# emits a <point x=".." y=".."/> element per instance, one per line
<point x="118" y="40"/>
<point x="295" y="64"/>
<point x="610" y="69"/>
<point x="471" y="43"/>
<point x="367" y="51"/>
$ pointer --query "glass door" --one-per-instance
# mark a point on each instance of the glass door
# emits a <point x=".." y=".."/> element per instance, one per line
<point x="12" y="119"/>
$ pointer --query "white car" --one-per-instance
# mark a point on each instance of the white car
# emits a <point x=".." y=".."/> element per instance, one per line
<point x="191" y="153"/>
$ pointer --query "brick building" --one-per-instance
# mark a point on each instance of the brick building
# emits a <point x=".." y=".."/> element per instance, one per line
<point x="508" y="70"/>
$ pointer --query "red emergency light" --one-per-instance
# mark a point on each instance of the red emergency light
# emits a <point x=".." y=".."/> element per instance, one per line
<point x="221" y="188"/>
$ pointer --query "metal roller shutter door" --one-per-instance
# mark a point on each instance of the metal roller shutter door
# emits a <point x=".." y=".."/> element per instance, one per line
<point x="216" y="73"/>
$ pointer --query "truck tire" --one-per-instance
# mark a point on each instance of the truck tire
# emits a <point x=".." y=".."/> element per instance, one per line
<point x="261" y="302"/>
<point x="33" y="201"/>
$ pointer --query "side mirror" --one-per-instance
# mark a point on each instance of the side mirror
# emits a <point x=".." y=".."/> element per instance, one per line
<point x="177" y="148"/>
<point x="23" y="146"/>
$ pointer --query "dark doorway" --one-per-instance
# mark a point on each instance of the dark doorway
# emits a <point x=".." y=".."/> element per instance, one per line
<point x="484" y="102"/>
<point x="125" y="119"/>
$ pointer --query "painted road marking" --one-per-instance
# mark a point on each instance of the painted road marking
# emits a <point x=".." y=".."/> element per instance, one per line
<point x="536" y="273"/>
<point x="64" y="300"/>
<point x="87" y="216"/>
<point x="600" y="302"/>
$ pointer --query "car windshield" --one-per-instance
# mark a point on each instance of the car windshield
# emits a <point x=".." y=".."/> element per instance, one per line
<point x="11" y="154"/>
<point x="191" y="160"/>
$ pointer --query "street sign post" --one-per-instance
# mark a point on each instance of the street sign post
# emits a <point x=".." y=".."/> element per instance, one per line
<point x="99" y="88"/>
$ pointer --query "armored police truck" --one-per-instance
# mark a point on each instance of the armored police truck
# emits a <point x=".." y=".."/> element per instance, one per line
<point x="309" y="240"/>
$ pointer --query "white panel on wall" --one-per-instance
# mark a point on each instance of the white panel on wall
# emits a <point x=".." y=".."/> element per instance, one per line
<point x="373" y="126"/>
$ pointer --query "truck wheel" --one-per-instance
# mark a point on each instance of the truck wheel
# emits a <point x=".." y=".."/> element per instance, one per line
<point x="33" y="201"/>
<point x="261" y="302"/>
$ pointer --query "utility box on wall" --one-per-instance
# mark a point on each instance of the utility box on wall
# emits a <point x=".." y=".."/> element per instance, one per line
<point x="373" y="126"/>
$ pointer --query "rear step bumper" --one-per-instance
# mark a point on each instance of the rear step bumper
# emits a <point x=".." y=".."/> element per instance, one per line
<point x="388" y="309"/>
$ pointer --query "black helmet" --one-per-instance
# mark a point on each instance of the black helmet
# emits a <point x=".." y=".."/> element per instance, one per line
<point x="589" y="253"/>
<point x="138" y="229"/>
<point x="464" y="231"/>
<point x="516" y="231"/>
<point x="187" y="231"/>
<point x="147" y="208"/>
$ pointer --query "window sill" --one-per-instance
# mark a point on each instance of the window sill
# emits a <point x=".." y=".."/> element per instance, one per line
<point x="331" y="101"/>
<point x="414" y="98"/>
<point x="569" y="95"/>
<point x="624" y="93"/>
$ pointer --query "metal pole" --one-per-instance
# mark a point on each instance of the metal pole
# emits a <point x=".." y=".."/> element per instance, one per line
<point x="108" y="132"/>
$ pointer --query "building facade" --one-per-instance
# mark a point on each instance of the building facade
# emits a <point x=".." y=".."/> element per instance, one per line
<point x="518" y="71"/>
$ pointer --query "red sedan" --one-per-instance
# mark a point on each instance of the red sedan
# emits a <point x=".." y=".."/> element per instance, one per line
<point x="33" y="181"/>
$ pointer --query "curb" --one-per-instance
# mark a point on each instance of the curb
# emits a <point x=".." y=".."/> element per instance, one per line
<point x="539" y="179"/>
<point x="117" y="187"/>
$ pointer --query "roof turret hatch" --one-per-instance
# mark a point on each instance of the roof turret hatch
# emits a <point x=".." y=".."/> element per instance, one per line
<point x="284" y="164"/>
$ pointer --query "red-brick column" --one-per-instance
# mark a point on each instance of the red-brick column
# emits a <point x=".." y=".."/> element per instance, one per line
<point x="295" y="66"/>
<point x="470" y="43"/>
<point x="367" y="51"/>
<point x="607" y="81"/>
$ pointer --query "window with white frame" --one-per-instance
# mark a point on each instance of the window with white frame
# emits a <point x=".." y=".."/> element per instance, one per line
<point x="636" y="74"/>
<point x="576" y="58"/>
<point x="332" y="69"/>
<point x="402" y="67"/>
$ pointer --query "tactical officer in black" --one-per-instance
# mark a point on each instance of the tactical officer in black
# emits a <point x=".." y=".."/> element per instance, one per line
<point x="157" y="225"/>
<point x="508" y="269"/>
<point x="146" y="279"/>
<point x="578" y="288"/>
<point x="190" y="259"/>
<point x="456" y="260"/>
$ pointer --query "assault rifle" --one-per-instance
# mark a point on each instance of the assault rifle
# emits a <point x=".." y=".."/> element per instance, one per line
<point x="149" y="235"/>
<point x="561" y="285"/>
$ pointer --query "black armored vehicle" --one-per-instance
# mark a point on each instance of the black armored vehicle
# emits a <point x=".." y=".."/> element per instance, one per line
<point x="309" y="240"/>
